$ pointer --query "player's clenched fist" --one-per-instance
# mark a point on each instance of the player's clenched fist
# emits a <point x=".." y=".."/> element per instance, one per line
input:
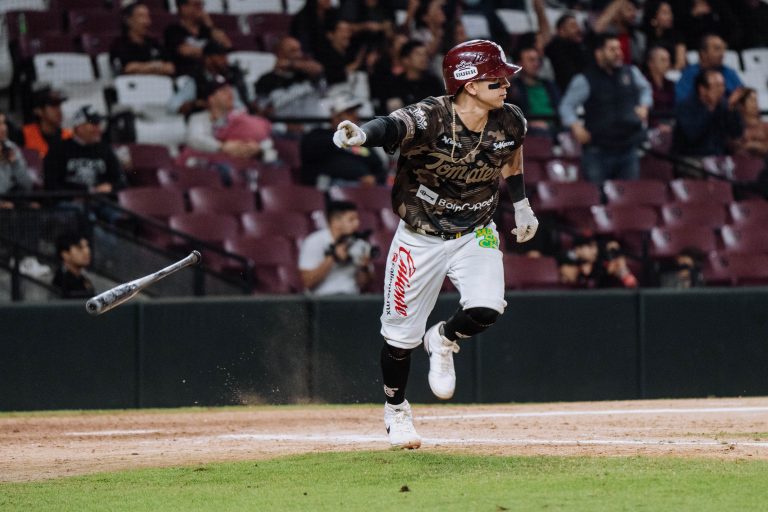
<point x="348" y="134"/>
<point x="525" y="221"/>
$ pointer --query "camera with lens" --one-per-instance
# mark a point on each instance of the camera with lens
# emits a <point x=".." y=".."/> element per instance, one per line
<point x="359" y="247"/>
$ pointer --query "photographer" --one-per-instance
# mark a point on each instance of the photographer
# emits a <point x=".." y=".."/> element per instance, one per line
<point x="685" y="271"/>
<point x="336" y="259"/>
<point x="615" y="272"/>
<point x="14" y="176"/>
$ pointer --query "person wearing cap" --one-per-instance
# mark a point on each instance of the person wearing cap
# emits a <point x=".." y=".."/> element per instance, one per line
<point x="45" y="131"/>
<point x="135" y="52"/>
<point x="186" y="39"/>
<point x="343" y="166"/>
<point x="214" y="130"/>
<point x="454" y="151"/>
<point x="190" y="97"/>
<point x="83" y="162"/>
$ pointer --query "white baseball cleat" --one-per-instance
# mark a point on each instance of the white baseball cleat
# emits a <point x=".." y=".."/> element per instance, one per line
<point x="399" y="422"/>
<point x="442" y="376"/>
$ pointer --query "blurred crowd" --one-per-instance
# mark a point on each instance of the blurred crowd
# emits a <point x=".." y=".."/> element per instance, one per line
<point x="605" y="74"/>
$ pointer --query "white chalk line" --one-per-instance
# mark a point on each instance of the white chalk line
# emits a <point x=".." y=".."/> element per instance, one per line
<point x="108" y="433"/>
<point x="605" y="412"/>
<point x="363" y="439"/>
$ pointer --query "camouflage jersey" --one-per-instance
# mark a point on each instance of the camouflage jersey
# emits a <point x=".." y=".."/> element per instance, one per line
<point x="434" y="194"/>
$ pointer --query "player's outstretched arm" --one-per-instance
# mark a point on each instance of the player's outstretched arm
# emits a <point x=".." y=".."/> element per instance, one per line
<point x="526" y="222"/>
<point x="381" y="131"/>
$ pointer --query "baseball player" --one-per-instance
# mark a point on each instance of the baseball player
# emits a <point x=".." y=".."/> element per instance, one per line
<point x="452" y="151"/>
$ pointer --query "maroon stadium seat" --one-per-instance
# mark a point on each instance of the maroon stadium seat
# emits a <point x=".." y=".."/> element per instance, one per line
<point x="155" y="202"/>
<point x="294" y="198"/>
<point x="747" y="168"/>
<point x="615" y="220"/>
<point x="652" y="168"/>
<point x="271" y="174"/>
<point x="640" y="192"/>
<point x="748" y="269"/>
<point x="288" y="151"/>
<point x="709" y="215"/>
<point x="562" y="170"/>
<point x="366" y="198"/>
<point x="145" y="160"/>
<point x="744" y="239"/>
<point x="521" y="272"/>
<point x="212" y="228"/>
<point x="699" y="191"/>
<point x="233" y="201"/>
<point x="668" y="242"/>
<point x="185" y="178"/>
<point x="94" y="43"/>
<point x="34" y="23"/>
<point x="227" y="22"/>
<point x="715" y="270"/>
<point x="45" y="43"/>
<point x="533" y="172"/>
<point x="537" y="148"/>
<point x="267" y="254"/>
<point x="753" y="211"/>
<point x="560" y="196"/>
<point x="92" y="21"/>
<point x="294" y="225"/>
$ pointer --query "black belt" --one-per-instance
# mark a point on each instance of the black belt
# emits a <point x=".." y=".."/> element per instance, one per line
<point x="443" y="235"/>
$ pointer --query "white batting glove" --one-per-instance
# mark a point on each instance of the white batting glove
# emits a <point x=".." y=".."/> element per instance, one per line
<point x="525" y="221"/>
<point x="348" y="134"/>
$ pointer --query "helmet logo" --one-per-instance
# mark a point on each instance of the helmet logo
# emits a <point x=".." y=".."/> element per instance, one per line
<point x="465" y="72"/>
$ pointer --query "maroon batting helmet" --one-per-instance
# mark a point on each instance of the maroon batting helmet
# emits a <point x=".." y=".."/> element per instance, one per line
<point x="475" y="60"/>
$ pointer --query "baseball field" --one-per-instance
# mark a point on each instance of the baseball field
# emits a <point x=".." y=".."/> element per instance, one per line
<point x="656" y="455"/>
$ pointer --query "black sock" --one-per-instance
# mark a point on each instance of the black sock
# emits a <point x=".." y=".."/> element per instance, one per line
<point x="395" y="365"/>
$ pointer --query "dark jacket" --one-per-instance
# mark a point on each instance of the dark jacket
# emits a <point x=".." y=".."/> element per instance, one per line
<point x="699" y="132"/>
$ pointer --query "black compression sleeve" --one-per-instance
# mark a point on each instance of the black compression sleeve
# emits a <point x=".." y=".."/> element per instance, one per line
<point x="383" y="131"/>
<point x="516" y="187"/>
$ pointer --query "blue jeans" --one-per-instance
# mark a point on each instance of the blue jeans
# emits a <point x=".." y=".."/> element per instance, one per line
<point x="600" y="164"/>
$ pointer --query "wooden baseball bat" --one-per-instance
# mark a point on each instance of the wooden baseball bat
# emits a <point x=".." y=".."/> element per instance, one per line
<point x="115" y="296"/>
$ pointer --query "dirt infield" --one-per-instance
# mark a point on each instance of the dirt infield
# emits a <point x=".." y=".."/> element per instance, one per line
<point x="34" y="447"/>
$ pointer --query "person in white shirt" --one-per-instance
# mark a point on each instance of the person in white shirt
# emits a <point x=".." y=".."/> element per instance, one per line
<point x="337" y="259"/>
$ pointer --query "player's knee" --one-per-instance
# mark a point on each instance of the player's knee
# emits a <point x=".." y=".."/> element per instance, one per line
<point x="397" y="353"/>
<point x="484" y="317"/>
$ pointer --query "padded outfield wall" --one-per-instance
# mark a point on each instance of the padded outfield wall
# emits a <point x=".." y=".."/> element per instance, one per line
<point x="548" y="346"/>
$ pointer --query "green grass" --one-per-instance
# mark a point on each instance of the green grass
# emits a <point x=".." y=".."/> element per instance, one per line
<point x="371" y="481"/>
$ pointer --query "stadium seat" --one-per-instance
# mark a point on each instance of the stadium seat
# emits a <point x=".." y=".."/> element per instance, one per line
<point x="288" y="152"/>
<point x="366" y="198"/>
<point x="270" y="174"/>
<point x="368" y="220"/>
<point x="145" y="159"/>
<point x="744" y="239"/>
<point x="233" y="201"/>
<point x="245" y="43"/>
<point x="715" y="270"/>
<point x="227" y="22"/>
<point x="515" y="21"/>
<point x="94" y="21"/>
<point x="269" y="27"/>
<point x="155" y="202"/>
<point x="476" y="26"/>
<point x="562" y="170"/>
<point x="143" y="92"/>
<point x="755" y="59"/>
<point x="211" y="228"/>
<point x="708" y="215"/>
<point x="23" y="5"/>
<point x="533" y="172"/>
<point x="61" y="68"/>
<point x="522" y="273"/>
<point x="561" y="196"/>
<point x="253" y="64"/>
<point x="639" y="192"/>
<point x="693" y="191"/>
<point x="32" y="23"/>
<point x="652" y="168"/>
<point x="667" y="242"/>
<point x="185" y="178"/>
<point x="747" y="168"/>
<point x="621" y="219"/>
<point x="293" y="225"/>
<point x="254" y="6"/>
<point x="537" y="148"/>
<point x="294" y="198"/>
<point x="752" y="211"/>
<point x="748" y="269"/>
<point x="51" y="43"/>
<point x="266" y="254"/>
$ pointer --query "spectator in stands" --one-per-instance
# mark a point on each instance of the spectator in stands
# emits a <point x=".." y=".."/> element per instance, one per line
<point x="567" y="51"/>
<point x="336" y="55"/>
<point x="291" y="88"/>
<point x="619" y="19"/>
<point x="534" y="95"/>
<point x="83" y="162"/>
<point x="685" y="271"/>
<point x="585" y="252"/>
<point x="135" y="52"/>
<point x="384" y="71"/>
<point x="348" y="166"/>
<point x="74" y="253"/>
<point x="711" y="55"/>
<point x="224" y="129"/>
<point x="613" y="271"/>
<point x="416" y="81"/>
<point x="705" y="17"/>
<point x="755" y="139"/>
<point x="657" y="65"/>
<point x="46" y="130"/>
<point x="659" y="27"/>
<point x="14" y="176"/>
<point x="752" y="15"/>
<point x="186" y="39"/>
<point x="372" y="21"/>
<point x="616" y="99"/>
<point x="308" y="25"/>
<point x="706" y="122"/>
<point x="426" y="22"/>
<point x="189" y="97"/>
<point x="333" y="260"/>
<point x="569" y="267"/>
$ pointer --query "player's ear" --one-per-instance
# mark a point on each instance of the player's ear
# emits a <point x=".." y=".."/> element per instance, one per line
<point x="471" y="88"/>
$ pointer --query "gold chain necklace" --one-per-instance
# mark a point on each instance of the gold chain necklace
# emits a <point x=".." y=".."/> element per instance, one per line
<point x="455" y="142"/>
